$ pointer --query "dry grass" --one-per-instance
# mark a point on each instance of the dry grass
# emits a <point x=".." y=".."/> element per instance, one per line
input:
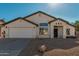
<point x="61" y="52"/>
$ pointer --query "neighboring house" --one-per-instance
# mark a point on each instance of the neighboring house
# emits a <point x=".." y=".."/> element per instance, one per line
<point x="37" y="25"/>
<point x="1" y="22"/>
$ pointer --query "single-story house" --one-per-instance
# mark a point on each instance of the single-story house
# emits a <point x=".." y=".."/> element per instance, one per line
<point x="37" y="25"/>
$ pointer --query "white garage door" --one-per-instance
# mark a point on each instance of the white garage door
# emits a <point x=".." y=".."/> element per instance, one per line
<point x="22" y="32"/>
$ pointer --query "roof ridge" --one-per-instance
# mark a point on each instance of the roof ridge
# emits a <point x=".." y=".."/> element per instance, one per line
<point x="39" y="12"/>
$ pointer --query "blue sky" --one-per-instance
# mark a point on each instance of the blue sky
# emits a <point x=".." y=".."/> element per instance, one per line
<point x="69" y="12"/>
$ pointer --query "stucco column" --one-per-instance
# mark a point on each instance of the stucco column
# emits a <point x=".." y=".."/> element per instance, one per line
<point x="37" y="32"/>
<point x="51" y="31"/>
<point x="64" y="32"/>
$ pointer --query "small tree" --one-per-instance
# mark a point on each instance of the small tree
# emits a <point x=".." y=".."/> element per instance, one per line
<point x="77" y="25"/>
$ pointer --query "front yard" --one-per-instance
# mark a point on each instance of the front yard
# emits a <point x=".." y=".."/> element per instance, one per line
<point x="55" y="47"/>
<point x="73" y="51"/>
<point x="70" y="48"/>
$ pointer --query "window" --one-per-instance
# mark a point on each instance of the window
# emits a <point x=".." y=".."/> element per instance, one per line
<point x="43" y="24"/>
<point x="68" y="31"/>
<point x="43" y="31"/>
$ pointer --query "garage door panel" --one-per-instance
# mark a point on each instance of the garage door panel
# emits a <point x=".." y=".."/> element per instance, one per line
<point x="22" y="33"/>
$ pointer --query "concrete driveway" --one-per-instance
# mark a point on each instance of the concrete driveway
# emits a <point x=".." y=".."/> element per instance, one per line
<point x="12" y="47"/>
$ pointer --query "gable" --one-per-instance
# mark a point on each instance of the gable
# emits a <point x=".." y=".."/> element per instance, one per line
<point x="60" y="22"/>
<point x="19" y="22"/>
<point x="40" y="17"/>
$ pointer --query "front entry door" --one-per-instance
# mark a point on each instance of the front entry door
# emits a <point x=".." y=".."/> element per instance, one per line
<point x="55" y="33"/>
<point x="58" y="32"/>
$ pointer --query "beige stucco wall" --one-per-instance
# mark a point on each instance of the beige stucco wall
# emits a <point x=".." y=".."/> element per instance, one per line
<point x="65" y="26"/>
<point x="18" y="23"/>
<point x="41" y="18"/>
